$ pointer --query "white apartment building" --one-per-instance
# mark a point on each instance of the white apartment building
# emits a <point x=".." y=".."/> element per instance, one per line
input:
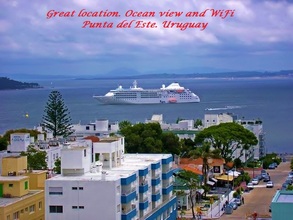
<point x="256" y="127"/>
<point x="99" y="128"/>
<point x="19" y="142"/>
<point x="114" y="186"/>
<point x="216" y="119"/>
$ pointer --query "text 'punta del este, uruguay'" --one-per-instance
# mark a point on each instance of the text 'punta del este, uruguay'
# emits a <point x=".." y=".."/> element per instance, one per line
<point x="184" y="19"/>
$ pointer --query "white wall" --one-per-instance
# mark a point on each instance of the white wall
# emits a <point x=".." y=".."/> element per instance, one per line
<point x="99" y="198"/>
<point x="19" y="142"/>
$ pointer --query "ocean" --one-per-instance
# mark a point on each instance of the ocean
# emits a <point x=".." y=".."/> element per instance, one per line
<point x="269" y="100"/>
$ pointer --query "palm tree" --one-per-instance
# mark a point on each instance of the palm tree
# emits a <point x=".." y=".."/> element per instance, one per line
<point x="205" y="152"/>
<point x="191" y="181"/>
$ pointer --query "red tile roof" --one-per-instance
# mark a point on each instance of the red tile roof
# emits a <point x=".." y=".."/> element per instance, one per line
<point x="192" y="168"/>
<point x="199" y="161"/>
<point x="92" y="138"/>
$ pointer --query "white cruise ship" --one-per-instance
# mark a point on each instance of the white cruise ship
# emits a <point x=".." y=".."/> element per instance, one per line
<point x="174" y="93"/>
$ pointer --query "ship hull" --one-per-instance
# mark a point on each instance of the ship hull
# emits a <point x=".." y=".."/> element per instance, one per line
<point x="172" y="94"/>
<point x="115" y="101"/>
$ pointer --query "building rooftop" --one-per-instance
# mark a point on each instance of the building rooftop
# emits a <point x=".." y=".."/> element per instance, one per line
<point x="283" y="196"/>
<point x="9" y="201"/>
<point x="13" y="178"/>
<point x="109" y="139"/>
<point x="130" y="164"/>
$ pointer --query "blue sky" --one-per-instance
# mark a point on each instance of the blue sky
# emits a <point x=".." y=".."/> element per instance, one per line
<point x="258" y="37"/>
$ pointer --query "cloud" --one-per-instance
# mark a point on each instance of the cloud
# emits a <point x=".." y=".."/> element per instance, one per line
<point x="260" y="31"/>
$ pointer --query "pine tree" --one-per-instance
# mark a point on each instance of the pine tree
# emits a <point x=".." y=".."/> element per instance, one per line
<point x="56" y="116"/>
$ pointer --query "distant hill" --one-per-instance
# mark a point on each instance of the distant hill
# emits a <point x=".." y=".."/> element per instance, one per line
<point x="239" y="74"/>
<point x="9" y="84"/>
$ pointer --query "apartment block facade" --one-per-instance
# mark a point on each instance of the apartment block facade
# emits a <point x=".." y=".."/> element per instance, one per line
<point x="114" y="186"/>
<point x="19" y="200"/>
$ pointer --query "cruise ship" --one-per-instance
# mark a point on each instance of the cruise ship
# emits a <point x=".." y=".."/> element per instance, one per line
<point x="174" y="93"/>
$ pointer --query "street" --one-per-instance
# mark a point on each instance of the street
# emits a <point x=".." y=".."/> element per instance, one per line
<point x="258" y="200"/>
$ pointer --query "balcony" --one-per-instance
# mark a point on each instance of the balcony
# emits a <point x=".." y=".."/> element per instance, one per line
<point x="167" y="183"/>
<point x="125" y="198"/>
<point x="143" y="205"/>
<point x="143" y="188"/>
<point x="156" y="189"/>
<point x="156" y="181"/>
<point x="143" y="197"/>
<point x="167" y="190"/>
<point x="128" y="180"/>
<point x="155" y="174"/>
<point x="156" y="197"/>
<point x="168" y="174"/>
<point x="129" y="213"/>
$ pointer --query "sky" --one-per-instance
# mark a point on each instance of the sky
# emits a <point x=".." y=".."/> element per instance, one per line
<point x="258" y="37"/>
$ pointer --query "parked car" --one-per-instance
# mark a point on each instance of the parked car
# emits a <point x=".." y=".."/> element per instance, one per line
<point x="234" y="205"/>
<point x="228" y="209"/>
<point x="270" y="184"/>
<point x="255" y="181"/>
<point x="290" y="174"/>
<point x="238" y="201"/>
<point x="275" y="164"/>
<point x="271" y="166"/>
<point x="250" y="186"/>
<point x="264" y="174"/>
<point x="267" y="178"/>
<point x="284" y="186"/>
<point x="288" y="181"/>
<point x="259" y="177"/>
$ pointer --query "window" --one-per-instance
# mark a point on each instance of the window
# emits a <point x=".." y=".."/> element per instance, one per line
<point x="56" y="209"/>
<point x="81" y="207"/>
<point x="8" y="217"/>
<point x="74" y="188"/>
<point x="55" y="191"/>
<point x="84" y="152"/>
<point x="10" y="185"/>
<point x="74" y="207"/>
<point x="26" y="185"/>
<point x="80" y="188"/>
<point x="32" y="208"/>
<point x="15" y="215"/>
<point x="40" y="205"/>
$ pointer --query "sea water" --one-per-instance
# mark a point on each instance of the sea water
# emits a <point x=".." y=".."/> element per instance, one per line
<point x="267" y="99"/>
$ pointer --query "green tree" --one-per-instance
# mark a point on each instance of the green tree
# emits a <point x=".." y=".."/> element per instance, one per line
<point x="186" y="145"/>
<point x="56" y="116"/>
<point x="36" y="159"/>
<point x="143" y="138"/>
<point x="170" y="143"/>
<point x="269" y="159"/>
<point x="227" y="138"/>
<point x="191" y="181"/>
<point x="124" y="124"/>
<point x="57" y="166"/>
<point x="237" y="163"/>
<point x="205" y="152"/>
<point x="3" y="143"/>
<point x="198" y="123"/>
